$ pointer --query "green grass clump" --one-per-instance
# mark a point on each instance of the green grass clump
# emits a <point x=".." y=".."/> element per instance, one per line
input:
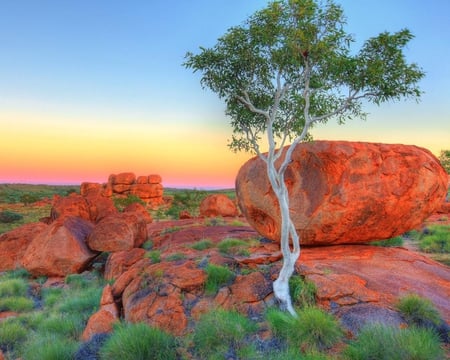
<point x="12" y="333"/>
<point x="202" y="245"/>
<point x="69" y="326"/>
<point x="231" y="246"/>
<point x="176" y="257"/>
<point x="220" y="332"/>
<point x="13" y="287"/>
<point x="303" y="292"/>
<point x="312" y="330"/>
<point x="384" y="342"/>
<point x="8" y="217"/>
<point x="16" y="304"/>
<point x="392" y="242"/>
<point x="154" y="256"/>
<point x="436" y="240"/>
<point x="217" y="276"/>
<point x="418" y="310"/>
<point x="139" y="342"/>
<point x="49" y="347"/>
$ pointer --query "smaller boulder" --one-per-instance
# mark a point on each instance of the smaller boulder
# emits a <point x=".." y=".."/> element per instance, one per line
<point x="60" y="249"/>
<point x="72" y="205"/>
<point x="139" y="210"/>
<point x="218" y="205"/>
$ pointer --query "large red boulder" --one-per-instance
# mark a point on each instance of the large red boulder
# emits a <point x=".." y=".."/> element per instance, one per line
<point x="122" y="231"/>
<point x="346" y="192"/>
<point x="60" y="249"/>
<point x="218" y="205"/>
<point x="72" y="205"/>
<point x="14" y="244"/>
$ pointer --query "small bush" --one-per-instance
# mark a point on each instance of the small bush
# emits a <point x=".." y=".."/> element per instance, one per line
<point x="138" y="342"/>
<point x="13" y="287"/>
<point x="63" y="325"/>
<point x="176" y="257"/>
<point x="77" y="281"/>
<point x="392" y="242"/>
<point x="312" y="330"/>
<point x="154" y="256"/>
<point x="29" y="198"/>
<point x="16" y="303"/>
<point x="8" y="217"/>
<point x="202" y="245"/>
<point x="51" y="296"/>
<point x="121" y="203"/>
<point x="231" y="246"/>
<point x="418" y="310"/>
<point x="12" y="333"/>
<point x="436" y="240"/>
<point x="383" y="342"/>
<point x="217" y="276"/>
<point x="215" y="221"/>
<point x="148" y="245"/>
<point x="49" y="347"/>
<point x="221" y="332"/>
<point x="303" y="292"/>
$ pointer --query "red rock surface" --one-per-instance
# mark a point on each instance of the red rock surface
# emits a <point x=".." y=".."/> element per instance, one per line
<point x="218" y="205"/>
<point x="72" y="205"/>
<point x="59" y="249"/>
<point x="140" y="210"/>
<point x="346" y="192"/>
<point x="14" y="244"/>
<point x="119" y="232"/>
<point x="121" y="261"/>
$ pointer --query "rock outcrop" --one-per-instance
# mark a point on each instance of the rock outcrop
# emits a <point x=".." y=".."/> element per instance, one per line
<point x="346" y="192"/>
<point x="218" y="205"/>
<point x="60" y="249"/>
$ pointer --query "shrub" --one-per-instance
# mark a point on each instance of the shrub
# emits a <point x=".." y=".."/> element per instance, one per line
<point x="7" y="217"/>
<point x="220" y="333"/>
<point x="217" y="276"/>
<point x="418" y="310"/>
<point x="312" y="330"/>
<point x="215" y="221"/>
<point x="176" y="257"/>
<point x="16" y="303"/>
<point x="69" y="326"/>
<point x="29" y="198"/>
<point x="122" y="202"/>
<point x="138" y="342"/>
<point x="383" y="342"/>
<point x="231" y="246"/>
<point x="303" y="292"/>
<point x="154" y="256"/>
<point x="12" y="333"/>
<point x="186" y="200"/>
<point x="392" y="242"/>
<point x="436" y="240"/>
<point x="13" y="287"/>
<point x="202" y="245"/>
<point x="49" y="347"/>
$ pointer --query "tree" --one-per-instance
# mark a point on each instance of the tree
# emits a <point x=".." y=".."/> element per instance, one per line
<point x="290" y="66"/>
<point x="444" y="158"/>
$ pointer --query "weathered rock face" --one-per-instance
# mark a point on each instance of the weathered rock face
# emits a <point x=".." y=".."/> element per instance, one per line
<point x="14" y="244"/>
<point x="72" y="205"/>
<point x="346" y="192"/>
<point x="59" y="249"/>
<point x="218" y="205"/>
<point x="119" y="232"/>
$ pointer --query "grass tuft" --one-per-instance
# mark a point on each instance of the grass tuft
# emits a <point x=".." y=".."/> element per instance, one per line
<point x="418" y="310"/>
<point x="217" y="276"/>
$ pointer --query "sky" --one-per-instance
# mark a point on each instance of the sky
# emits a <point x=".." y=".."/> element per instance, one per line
<point x="89" y="88"/>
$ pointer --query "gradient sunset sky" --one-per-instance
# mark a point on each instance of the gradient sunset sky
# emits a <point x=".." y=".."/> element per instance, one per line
<point x="94" y="87"/>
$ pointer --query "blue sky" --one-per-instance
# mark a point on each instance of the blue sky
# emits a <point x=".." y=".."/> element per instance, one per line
<point x="113" y="69"/>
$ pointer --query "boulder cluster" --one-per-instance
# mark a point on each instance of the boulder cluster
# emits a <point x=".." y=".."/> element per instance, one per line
<point x="148" y="188"/>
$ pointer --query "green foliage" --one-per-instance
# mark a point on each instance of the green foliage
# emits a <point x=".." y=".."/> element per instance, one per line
<point x="291" y="63"/>
<point x="69" y="326"/>
<point x="139" y="342"/>
<point x="231" y="246"/>
<point x="392" y="242"/>
<point x="418" y="310"/>
<point x="154" y="256"/>
<point x="436" y="239"/>
<point x="303" y="292"/>
<point x="12" y="333"/>
<point x="176" y="257"/>
<point x="12" y="193"/>
<point x="217" y="276"/>
<point x="188" y="200"/>
<point x="215" y="221"/>
<point x="220" y="332"/>
<point x="444" y="158"/>
<point x="148" y="245"/>
<point x="16" y="303"/>
<point x="13" y="287"/>
<point x="202" y="245"/>
<point x="381" y="342"/>
<point x="7" y="217"/>
<point x="122" y="202"/>
<point x="49" y="347"/>
<point x="29" y="198"/>
<point x="312" y="330"/>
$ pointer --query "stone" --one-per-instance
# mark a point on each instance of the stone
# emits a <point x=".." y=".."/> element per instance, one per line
<point x="126" y="178"/>
<point x="87" y="188"/>
<point x="218" y="205"/>
<point x="147" y="191"/>
<point x="120" y="261"/>
<point x="14" y="244"/>
<point x="60" y="249"/>
<point x="103" y="320"/>
<point x="346" y="192"/>
<point x="122" y="231"/>
<point x="140" y="210"/>
<point x="99" y="206"/>
<point x="72" y="205"/>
